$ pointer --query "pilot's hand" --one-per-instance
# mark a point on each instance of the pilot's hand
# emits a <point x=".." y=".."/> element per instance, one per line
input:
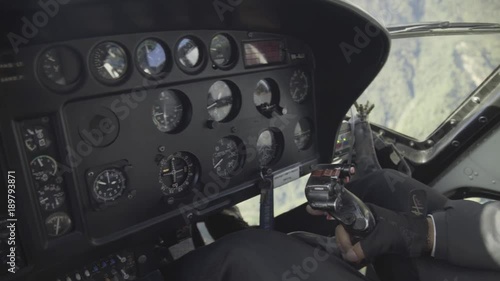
<point x="395" y="233"/>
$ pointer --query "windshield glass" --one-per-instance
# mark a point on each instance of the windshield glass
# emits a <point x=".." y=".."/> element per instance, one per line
<point x="395" y="12"/>
<point x="425" y="79"/>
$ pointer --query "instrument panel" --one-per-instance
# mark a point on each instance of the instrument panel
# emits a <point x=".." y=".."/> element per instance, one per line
<point x="158" y="113"/>
<point x="148" y="127"/>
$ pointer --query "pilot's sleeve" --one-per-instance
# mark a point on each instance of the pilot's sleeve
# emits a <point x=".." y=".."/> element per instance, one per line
<point x="468" y="234"/>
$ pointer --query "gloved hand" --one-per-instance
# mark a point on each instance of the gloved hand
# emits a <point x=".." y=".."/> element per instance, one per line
<point x="395" y="233"/>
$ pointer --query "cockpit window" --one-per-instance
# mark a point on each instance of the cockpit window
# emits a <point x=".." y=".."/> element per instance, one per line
<point x="395" y="12"/>
<point x="426" y="78"/>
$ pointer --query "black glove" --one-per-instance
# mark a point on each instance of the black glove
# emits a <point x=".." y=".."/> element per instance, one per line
<point x="396" y="233"/>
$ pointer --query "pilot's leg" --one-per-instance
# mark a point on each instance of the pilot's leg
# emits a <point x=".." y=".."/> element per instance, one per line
<point x="256" y="255"/>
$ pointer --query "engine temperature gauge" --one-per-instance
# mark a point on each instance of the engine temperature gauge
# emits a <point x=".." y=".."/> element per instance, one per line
<point x="43" y="168"/>
<point x="109" y="185"/>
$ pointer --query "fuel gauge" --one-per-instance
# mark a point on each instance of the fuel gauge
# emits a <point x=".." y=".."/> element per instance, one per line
<point x="58" y="224"/>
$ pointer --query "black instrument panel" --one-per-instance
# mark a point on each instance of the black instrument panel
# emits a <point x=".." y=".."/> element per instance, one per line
<point x="26" y="95"/>
<point x="151" y="153"/>
<point x="150" y="124"/>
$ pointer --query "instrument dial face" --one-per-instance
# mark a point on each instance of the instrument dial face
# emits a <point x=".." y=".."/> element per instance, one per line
<point x="36" y="138"/>
<point x="109" y="185"/>
<point x="264" y="97"/>
<point x="58" y="224"/>
<point x="178" y="173"/>
<point x="303" y="134"/>
<point x="168" y="112"/>
<point x="220" y="101"/>
<point x="188" y="53"/>
<point x="108" y="62"/>
<point x="43" y="168"/>
<point x="299" y="86"/>
<point x="51" y="196"/>
<point x="228" y="156"/>
<point x="267" y="147"/>
<point x="151" y="57"/>
<point x="60" y="67"/>
<point x="221" y="50"/>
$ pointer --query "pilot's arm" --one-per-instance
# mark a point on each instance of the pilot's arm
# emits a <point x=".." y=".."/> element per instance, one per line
<point x="463" y="233"/>
<point x="468" y="234"/>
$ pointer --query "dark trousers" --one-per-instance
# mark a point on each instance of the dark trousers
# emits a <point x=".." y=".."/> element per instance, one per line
<point x="258" y="255"/>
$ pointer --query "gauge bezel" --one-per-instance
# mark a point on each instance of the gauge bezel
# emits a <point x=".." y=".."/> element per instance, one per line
<point x="49" y="84"/>
<point x="234" y="52"/>
<point x="275" y="97"/>
<point x="57" y="207"/>
<point x="186" y="115"/>
<point x="168" y="64"/>
<point x="236" y="105"/>
<point x="309" y="86"/>
<point x="310" y="141"/>
<point x="95" y="72"/>
<point x="68" y="229"/>
<point x="203" y="55"/>
<point x="279" y="139"/>
<point x="54" y="175"/>
<point x="101" y="199"/>
<point x="196" y="173"/>
<point x="242" y="151"/>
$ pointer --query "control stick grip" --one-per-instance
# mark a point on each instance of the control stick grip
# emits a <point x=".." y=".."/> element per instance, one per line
<point x="327" y="193"/>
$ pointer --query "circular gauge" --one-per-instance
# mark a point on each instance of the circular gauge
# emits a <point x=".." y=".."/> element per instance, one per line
<point x="228" y="156"/>
<point x="303" y="134"/>
<point x="36" y="138"/>
<point x="60" y="68"/>
<point x="299" y="86"/>
<point x="51" y="196"/>
<point x="188" y="53"/>
<point x="220" y="101"/>
<point x="109" y="185"/>
<point x="43" y="168"/>
<point x="58" y="224"/>
<point x="178" y="172"/>
<point x="151" y="57"/>
<point x="108" y="62"/>
<point x="168" y="112"/>
<point x="269" y="145"/>
<point x="221" y="51"/>
<point x="264" y="96"/>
